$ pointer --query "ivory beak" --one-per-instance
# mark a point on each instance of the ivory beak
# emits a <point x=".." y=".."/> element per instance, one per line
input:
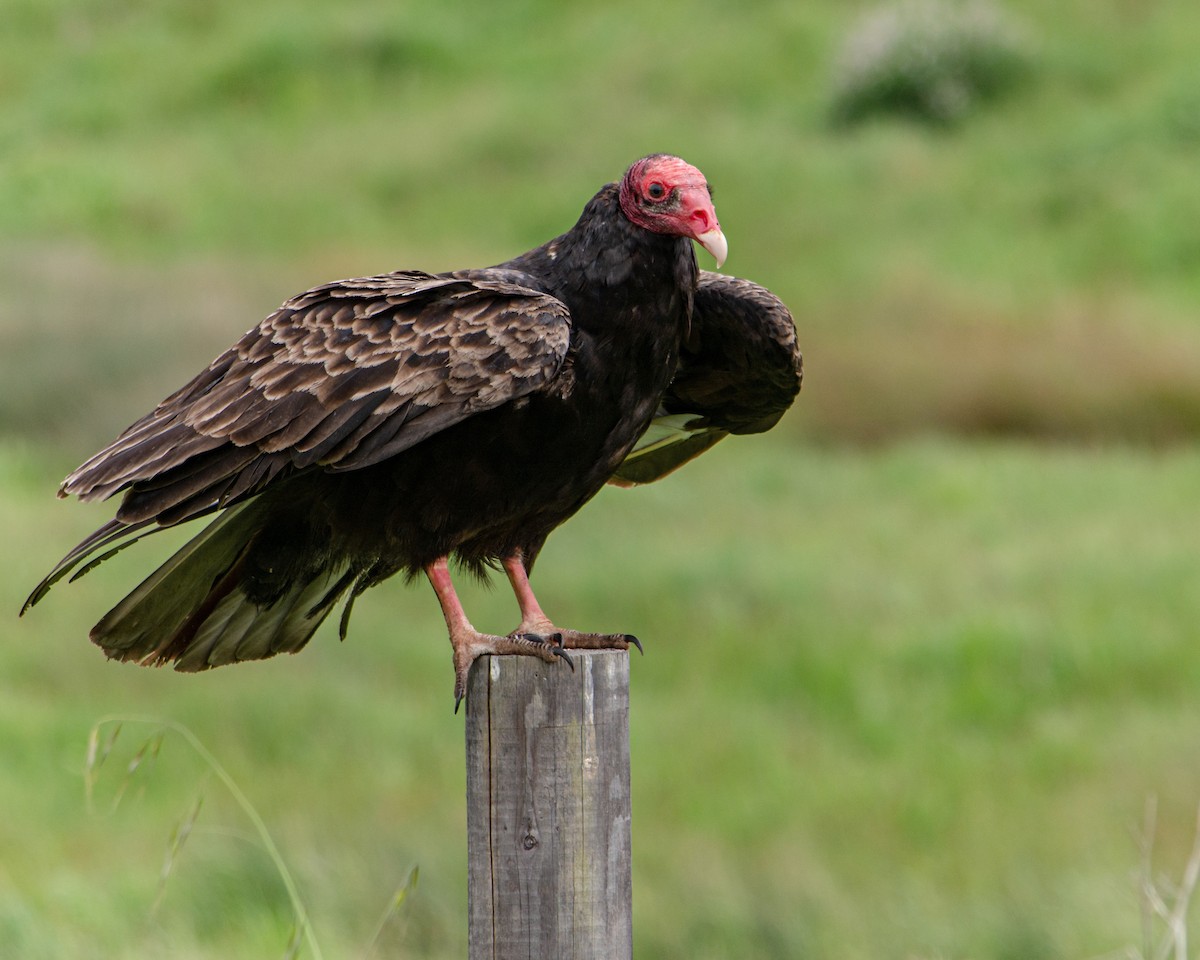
<point x="714" y="242"/>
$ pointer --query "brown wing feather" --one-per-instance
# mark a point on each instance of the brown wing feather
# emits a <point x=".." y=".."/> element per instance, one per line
<point x="741" y="367"/>
<point x="739" y="371"/>
<point x="341" y="377"/>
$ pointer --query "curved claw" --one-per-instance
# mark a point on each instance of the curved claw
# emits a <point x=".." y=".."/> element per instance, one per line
<point x="630" y="638"/>
<point x="460" y="686"/>
<point x="554" y="641"/>
<point x="562" y="654"/>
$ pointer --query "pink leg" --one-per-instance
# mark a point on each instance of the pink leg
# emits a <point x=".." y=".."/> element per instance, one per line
<point x="533" y="620"/>
<point x="438" y="573"/>
<point x="536" y="625"/>
<point x="468" y="643"/>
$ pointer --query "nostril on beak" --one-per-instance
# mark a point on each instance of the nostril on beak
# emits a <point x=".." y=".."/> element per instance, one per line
<point x="701" y="222"/>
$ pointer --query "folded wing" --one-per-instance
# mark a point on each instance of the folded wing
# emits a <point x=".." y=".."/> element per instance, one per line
<point x="338" y="378"/>
<point x="739" y="371"/>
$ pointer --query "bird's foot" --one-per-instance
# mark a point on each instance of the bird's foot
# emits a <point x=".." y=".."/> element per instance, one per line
<point x="575" y="640"/>
<point x="470" y="646"/>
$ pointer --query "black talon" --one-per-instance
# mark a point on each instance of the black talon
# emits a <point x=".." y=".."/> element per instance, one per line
<point x="630" y="638"/>
<point x="458" y="699"/>
<point x="562" y="654"/>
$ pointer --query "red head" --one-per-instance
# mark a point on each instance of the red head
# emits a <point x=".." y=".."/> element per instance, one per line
<point x="664" y="194"/>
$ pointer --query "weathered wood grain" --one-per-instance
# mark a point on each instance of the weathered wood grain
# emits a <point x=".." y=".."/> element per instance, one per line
<point x="548" y="808"/>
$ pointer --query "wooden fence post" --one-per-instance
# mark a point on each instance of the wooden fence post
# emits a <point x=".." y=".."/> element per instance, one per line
<point x="548" y="810"/>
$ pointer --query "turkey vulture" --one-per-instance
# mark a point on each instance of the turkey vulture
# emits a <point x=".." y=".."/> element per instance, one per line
<point x="381" y="425"/>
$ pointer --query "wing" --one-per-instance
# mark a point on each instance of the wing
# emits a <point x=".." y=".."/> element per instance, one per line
<point x="340" y="377"/>
<point x="739" y="371"/>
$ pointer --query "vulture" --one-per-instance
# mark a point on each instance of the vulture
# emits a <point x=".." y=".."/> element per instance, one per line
<point x="387" y="424"/>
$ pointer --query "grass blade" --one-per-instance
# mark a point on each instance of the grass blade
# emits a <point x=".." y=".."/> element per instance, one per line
<point x="149" y="751"/>
<point x="179" y="837"/>
<point x="393" y="908"/>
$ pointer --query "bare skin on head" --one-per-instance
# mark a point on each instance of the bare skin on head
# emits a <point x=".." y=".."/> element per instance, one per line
<point x="665" y="194"/>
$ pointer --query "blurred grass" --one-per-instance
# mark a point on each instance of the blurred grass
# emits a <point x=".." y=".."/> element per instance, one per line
<point x="1031" y="272"/>
<point x="899" y="703"/>
<point x="901" y="699"/>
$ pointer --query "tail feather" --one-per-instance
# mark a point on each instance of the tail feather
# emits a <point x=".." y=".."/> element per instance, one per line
<point x="254" y="639"/>
<point x="220" y="623"/>
<point x="194" y="610"/>
<point x="113" y="532"/>
<point x="217" y="638"/>
<point x="240" y="630"/>
<point x="149" y="617"/>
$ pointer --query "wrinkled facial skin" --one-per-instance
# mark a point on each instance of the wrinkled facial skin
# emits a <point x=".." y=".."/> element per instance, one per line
<point x="665" y="194"/>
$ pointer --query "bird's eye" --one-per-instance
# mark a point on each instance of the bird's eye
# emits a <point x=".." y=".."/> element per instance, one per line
<point x="656" y="191"/>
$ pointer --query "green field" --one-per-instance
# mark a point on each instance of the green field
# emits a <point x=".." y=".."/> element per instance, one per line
<point x="903" y="703"/>
<point x="916" y="662"/>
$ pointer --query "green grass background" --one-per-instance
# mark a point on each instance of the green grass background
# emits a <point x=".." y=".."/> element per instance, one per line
<point x="915" y="661"/>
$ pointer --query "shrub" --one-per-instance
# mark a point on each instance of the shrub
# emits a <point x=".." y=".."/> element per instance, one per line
<point x="930" y="59"/>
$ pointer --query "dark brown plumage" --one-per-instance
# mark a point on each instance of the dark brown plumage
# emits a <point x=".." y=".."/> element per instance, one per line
<point x="739" y="370"/>
<point x="381" y="425"/>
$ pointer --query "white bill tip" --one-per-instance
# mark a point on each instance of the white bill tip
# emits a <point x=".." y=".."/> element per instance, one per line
<point x="715" y="243"/>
